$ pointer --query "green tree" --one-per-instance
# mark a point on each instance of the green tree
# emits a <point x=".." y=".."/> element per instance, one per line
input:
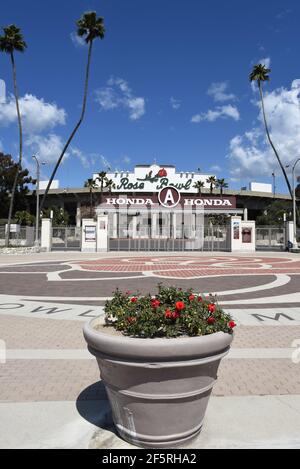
<point x="24" y="218"/>
<point x="199" y="186"/>
<point x="260" y="74"/>
<point x="8" y="169"/>
<point x="10" y="42"/>
<point x="60" y="216"/>
<point x="103" y="180"/>
<point x="110" y="185"/>
<point x="274" y="213"/>
<point x="212" y="181"/>
<point x="222" y="184"/>
<point x="90" y="26"/>
<point x="91" y="185"/>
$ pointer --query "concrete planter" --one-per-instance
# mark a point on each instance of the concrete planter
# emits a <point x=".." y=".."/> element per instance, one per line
<point x="158" y="388"/>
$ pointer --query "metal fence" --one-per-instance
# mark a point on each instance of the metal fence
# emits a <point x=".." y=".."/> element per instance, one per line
<point x="204" y="238"/>
<point x="23" y="238"/>
<point x="270" y="238"/>
<point x="66" y="238"/>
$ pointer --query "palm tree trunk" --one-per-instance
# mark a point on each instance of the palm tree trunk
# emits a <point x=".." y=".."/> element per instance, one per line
<point x="270" y="140"/>
<point x="75" y="128"/>
<point x="18" y="167"/>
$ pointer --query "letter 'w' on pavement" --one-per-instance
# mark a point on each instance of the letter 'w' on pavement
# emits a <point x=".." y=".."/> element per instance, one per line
<point x="2" y="351"/>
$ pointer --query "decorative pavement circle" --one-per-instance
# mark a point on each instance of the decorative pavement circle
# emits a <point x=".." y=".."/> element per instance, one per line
<point x="45" y="364"/>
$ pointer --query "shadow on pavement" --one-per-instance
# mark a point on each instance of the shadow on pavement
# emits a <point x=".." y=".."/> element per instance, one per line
<point x="93" y="405"/>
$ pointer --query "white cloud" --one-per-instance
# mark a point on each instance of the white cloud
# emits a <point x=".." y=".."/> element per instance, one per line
<point x="212" y="115"/>
<point x="118" y="94"/>
<point x="265" y="61"/>
<point x="2" y="92"/>
<point x="218" y="92"/>
<point x="215" y="168"/>
<point x="77" y="40"/>
<point x="46" y="148"/>
<point x="126" y="159"/>
<point x="175" y="103"/>
<point x="250" y="154"/>
<point x="37" y="115"/>
<point x="83" y="157"/>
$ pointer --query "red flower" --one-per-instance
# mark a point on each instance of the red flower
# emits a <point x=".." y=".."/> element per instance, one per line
<point x="175" y="315"/>
<point x="211" y="307"/>
<point x="211" y="320"/>
<point x="133" y="299"/>
<point x="162" y="173"/>
<point x="192" y="297"/>
<point x="168" y="314"/>
<point x="131" y="319"/>
<point x="155" y="303"/>
<point x="179" y="305"/>
<point x="231" y="324"/>
<point x="200" y="298"/>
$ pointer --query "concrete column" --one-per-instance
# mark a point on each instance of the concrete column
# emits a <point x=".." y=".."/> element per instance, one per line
<point x="133" y="226"/>
<point x="289" y="234"/>
<point x="46" y="234"/>
<point x="245" y="214"/>
<point x="174" y="226"/>
<point x="78" y="215"/>
<point x="154" y="225"/>
<point x="115" y="225"/>
<point x="236" y="233"/>
<point x="102" y="233"/>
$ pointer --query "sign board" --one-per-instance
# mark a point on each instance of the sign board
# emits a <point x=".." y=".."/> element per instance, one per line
<point x="14" y="228"/>
<point x="90" y="233"/>
<point x="154" y="178"/>
<point x="171" y="198"/>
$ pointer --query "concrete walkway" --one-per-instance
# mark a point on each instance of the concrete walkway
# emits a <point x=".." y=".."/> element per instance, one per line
<point x="231" y="422"/>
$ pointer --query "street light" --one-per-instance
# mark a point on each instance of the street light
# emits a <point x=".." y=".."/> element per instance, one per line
<point x="274" y="186"/>
<point x="37" y="218"/>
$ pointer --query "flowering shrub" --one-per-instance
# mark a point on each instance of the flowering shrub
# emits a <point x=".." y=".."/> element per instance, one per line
<point x="171" y="313"/>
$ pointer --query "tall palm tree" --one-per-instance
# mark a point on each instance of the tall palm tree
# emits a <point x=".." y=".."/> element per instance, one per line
<point x="212" y="181"/>
<point x="260" y="74"/>
<point x="10" y="42"/>
<point x="91" y="185"/>
<point x="222" y="184"/>
<point x="199" y="185"/>
<point x="91" y="27"/>
<point x="103" y="179"/>
<point x="110" y="185"/>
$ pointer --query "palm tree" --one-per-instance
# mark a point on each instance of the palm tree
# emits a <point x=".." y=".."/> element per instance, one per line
<point x="199" y="185"/>
<point x="91" y="27"/>
<point x="212" y="181"/>
<point x="103" y="179"/>
<point x="110" y="185"/>
<point x="260" y="73"/>
<point x="222" y="185"/>
<point x="12" y="41"/>
<point x="91" y="184"/>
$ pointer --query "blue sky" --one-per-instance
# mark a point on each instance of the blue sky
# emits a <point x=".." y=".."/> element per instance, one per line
<point x="169" y="81"/>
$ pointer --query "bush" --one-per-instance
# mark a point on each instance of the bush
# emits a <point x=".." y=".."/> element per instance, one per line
<point x="171" y="313"/>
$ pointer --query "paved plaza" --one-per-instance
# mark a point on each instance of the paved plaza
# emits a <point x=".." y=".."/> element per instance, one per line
<point x="50" y="393"/>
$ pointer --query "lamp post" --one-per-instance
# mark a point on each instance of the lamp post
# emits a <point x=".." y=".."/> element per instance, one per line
<point x="274" y="185"/>
<point x="37" y="218"/>
<point x="294" y="200"/>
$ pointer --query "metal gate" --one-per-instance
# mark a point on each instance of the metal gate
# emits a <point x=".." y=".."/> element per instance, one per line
<point x="205" y="238"/>
<point x="66" y="238"/>
<point x="270" y="238"/>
